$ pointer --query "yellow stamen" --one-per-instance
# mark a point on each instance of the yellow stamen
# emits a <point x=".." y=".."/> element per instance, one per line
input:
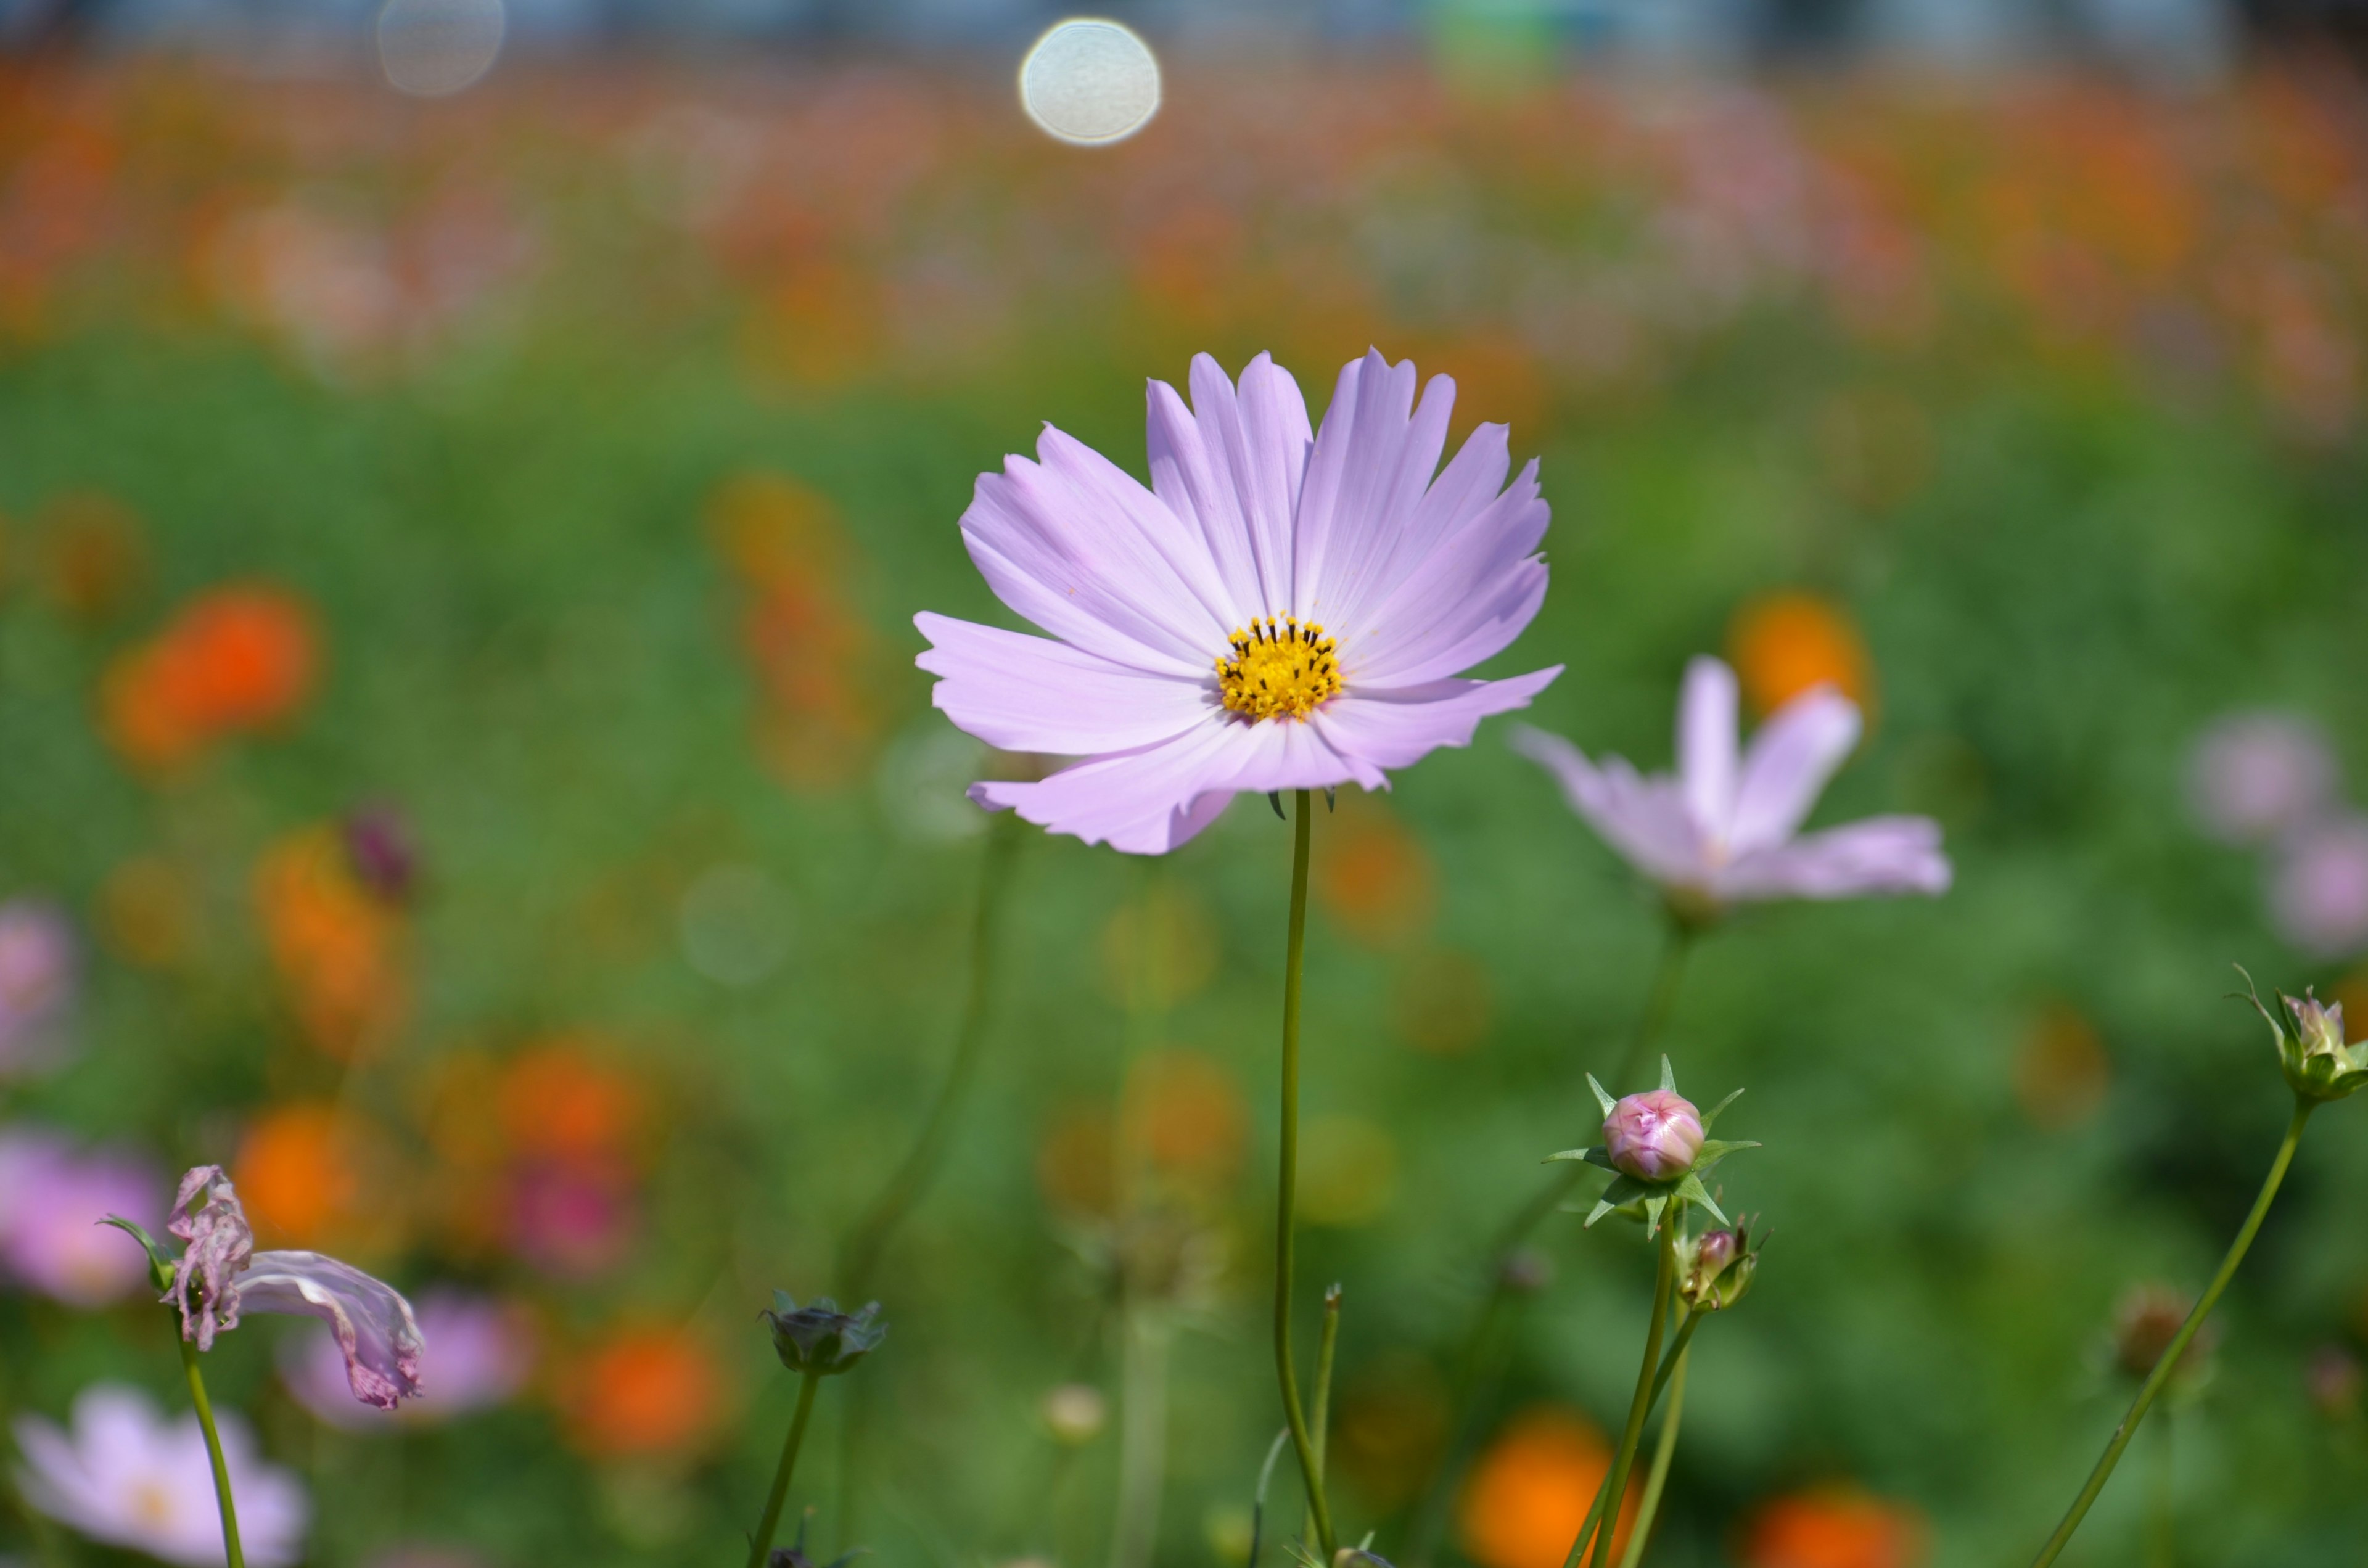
<point x="1279" y="669"/>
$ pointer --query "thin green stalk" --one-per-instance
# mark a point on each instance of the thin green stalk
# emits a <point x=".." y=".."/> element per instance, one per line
<point x="1660" y="999"/>
<point x="1615" y="1485"/>
<point x="1325" y="1347"/>
<point x="1287" y="1182"/>
<point x="869" y="1238"/>
<point x="761" y="1546"/>
<point x="237" y="1558"/>
<point x="2178" y="1346"/>
<point x="1143" y="1434"/>
<point x="1659" y="1474"/>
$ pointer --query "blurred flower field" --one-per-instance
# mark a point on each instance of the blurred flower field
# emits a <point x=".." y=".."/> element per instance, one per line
<point x="466" y="775"/>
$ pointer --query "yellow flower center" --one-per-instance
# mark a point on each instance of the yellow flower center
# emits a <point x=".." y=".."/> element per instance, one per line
<point x="1279" y="669"/>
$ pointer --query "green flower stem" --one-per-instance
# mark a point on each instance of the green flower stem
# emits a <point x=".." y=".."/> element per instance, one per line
<point x="1658" y="1476"/>
<point x="1660" y="999"/>
<point x="2178" y="1346"/>
<point x="1324" y="1350"/>
<point x="1142" y="1433"/>
<point x="237" y="1558"/>
<point x="1615" y="1485"/>
<point x="1287" y="1180"/>
<point x="761" y="1546"/>
<point x="1670" y="1360"/>
<point x="859" y="1258"/>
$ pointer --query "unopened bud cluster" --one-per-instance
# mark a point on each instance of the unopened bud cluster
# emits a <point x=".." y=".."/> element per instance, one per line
<point x="2318" y="1063"/>
<point x="819" y="1338"/>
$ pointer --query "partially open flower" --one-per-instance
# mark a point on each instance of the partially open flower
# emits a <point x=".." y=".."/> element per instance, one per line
<point x="2318" y="1063"/>
<point x="818" y="1337"/>
<point x="1654" y="1136"/>
<point x="221" y="1275"/>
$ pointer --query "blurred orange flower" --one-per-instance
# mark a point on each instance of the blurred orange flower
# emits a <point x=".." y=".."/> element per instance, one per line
<point x="1442" y="1002"/>
<point x="1833" y="1528"/>
<point x="1188" y="1112"/>
<point x="559" y="1101"/>
<point x="814" y="655"/>
<point x="2061" y="1071"/>
<point x="1373" y="876"/>
<point x="1785" y="643"/>
<point x="643" y="1391"/>
<point x="1077" y="1162"/>
<point x="303" y="1172"/>
<point x="92" y="553"/>
<point x="337" y="946"/>
<point x="1529" y="1492"/>
<point x="235" y="659"/>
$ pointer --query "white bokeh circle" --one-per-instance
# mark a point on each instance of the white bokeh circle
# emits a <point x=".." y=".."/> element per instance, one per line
<point x="1089" y="82"/>
<point x="431" y="48"/>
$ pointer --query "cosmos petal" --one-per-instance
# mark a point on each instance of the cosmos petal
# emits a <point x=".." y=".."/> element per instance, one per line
<point x="1478" y="589"/>
<point x="1031" y="694"/>
<point x="1373" y="461"/>
<point x="1646" y="819"/>
<point x="1786" y="767"/>
<point x="1706" y="729"/>
<point x="1878" y="855"/>
<point x="1397" y="729"/>
<point x="375" y="1329"/>
<point x="1144" y="802"/>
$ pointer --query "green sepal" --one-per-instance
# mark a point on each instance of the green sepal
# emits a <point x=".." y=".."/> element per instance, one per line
<point x="1624" y="1191"/>
<point x="1692" y="1191"/>
<point x="1711" y="1115"/>
<point x="1599" y="1156"/>
<point x="1602" y="1099"/>
<point x="1669" y="1075"/>
<point x="1714" y="1150"/>
<point x="161" y="1263"/>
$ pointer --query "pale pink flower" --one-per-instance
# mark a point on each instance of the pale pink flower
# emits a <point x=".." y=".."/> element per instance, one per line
<point x="2256" y="775"/>
<point x="1654" y="1136"/>
<point x="1282" y="608"/>
<point x="476" y="1353"/>
<point x="1726" y="829"/>
<point x="2319" y="887"/>
<point x="39" y="970"/>
<point x="221" y="1276"/>
<point x="127" y="1476"/>
<point x="53" y="1201"/>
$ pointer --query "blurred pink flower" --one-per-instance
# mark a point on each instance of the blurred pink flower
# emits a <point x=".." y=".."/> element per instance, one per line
<point x="427" y="1556"/>
<point x="2253" y="775"/>
<point x="1726" y="830"/>
<point x="127" y="1476"/>
<point x="2318" y="888"/>
<point x="478" y="1353"/>
<point x="375" y="1332"/>
<point x="38" y="967"/>
<point x="51" y="1202"/>
<point x="573" y="1218"/>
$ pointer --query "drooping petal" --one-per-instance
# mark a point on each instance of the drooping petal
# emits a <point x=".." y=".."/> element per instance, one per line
<point x="1232" y="469"/>
<point x="1375" y="457"/>
<point x="1031" y="694"/>
<point x="1397" y="729"/>
<point x="1645" y="821"/>
<point x="1706" y="730"/>
<point x="1786" y="767"/>
<point x="1469" y="599"/>
<point x="208" y="1216"/>
<point x="1889" y="855"/>
<point x="1079" y="547"/>
<point x="376" y="1332"/>
<point x="1144" y="802"/>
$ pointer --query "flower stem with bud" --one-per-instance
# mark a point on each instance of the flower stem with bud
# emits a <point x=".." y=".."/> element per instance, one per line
<point x="230" y="1549"/>
<point x="2169" y="1359"/>
<point x="1615" y="1485"/>
<point x="1287" y="1182"/>
<point x="761" y="1546"/>
<point x="1658" y="1475"/>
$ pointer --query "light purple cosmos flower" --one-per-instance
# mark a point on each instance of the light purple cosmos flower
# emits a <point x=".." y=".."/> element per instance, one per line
<point x="477" y="1353"/>
<point x="2254" y="776"/>
<point x="1726" y="830"/>
<point x="221" y="1276"/>
<point x="127" y="1476"/>
<point x="38" y="967"/>
<point x="53" y="1203"/>
<point x="2319" y="887"/>
<point x="1281" y="610"/>
<point x="1654" y="1136"/>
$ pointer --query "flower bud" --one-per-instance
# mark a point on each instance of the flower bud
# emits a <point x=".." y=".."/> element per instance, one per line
<point x="2318" y="1063"/>
<point x="1715" y="1267"/>
<point x="818" y="1337"/>
<point x="2146" y="1320"/>
<point x="1074" y="1414"/>
<point x="1654" y="1136"/>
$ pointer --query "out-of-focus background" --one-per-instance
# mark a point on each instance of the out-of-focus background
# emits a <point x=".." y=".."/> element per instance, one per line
<point x="466" y="476"/>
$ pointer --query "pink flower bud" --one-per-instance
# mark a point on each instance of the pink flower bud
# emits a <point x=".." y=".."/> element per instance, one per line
<point x="1654" y="1136"/>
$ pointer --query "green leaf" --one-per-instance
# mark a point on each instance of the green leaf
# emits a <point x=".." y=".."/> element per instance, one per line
<point x="160" y="1262"/>
<point x="1606" y="1101"/>
<point x="1668" y="1074"/>
<point x="1722" y="1105"/>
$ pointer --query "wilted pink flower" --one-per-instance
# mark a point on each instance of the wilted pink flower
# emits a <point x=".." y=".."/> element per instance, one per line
<point x="221" y="1275"/>
<point x="127" y="1476"/>
<point x="1281" y="610"/>
<point x="2318" y="888"/>
<point x="2254" y="776"/>
<point x="1654" y="1136"/>
<point x="53" y="1203"/>
<point x="1725" y="832"/>
<point x="37" y="971"/>
<point x="476" y="1353"/>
